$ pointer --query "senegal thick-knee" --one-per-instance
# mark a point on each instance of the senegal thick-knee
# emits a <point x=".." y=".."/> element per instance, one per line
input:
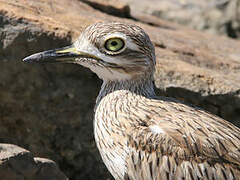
<point x="141" y="136"/>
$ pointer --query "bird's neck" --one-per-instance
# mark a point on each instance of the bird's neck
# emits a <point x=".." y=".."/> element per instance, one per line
<point x="115" y="98"/>
<point x="137" y="87"/>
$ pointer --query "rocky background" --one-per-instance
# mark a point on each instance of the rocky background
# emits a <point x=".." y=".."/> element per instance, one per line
<point x="48" y="109"/>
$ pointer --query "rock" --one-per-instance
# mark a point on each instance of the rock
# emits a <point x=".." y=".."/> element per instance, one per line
<point x="48" y="109"/>
<point x="47" y="169"/>
<point x="113" y="7"/>
<point x="17" y="163"/>
<point x="216" y="16"/>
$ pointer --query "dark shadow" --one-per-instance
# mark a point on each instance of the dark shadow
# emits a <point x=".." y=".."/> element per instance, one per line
<point x="226" y="106"/>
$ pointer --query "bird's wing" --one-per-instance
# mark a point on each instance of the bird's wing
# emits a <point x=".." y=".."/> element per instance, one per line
<point x="173" y="140"/>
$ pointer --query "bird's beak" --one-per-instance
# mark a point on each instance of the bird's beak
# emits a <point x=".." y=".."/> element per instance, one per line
<point x="66" y="55"/>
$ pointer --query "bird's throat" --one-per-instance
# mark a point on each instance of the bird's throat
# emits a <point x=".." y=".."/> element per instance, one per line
<point x="141" y="87"/>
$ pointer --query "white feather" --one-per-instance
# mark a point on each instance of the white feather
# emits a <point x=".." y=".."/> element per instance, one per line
<point x="156" y="129"/>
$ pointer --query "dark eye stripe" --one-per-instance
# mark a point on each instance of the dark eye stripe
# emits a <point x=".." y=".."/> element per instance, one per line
<point x="131" y="54"/>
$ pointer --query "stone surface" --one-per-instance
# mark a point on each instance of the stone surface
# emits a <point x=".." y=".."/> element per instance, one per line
<point x="113" y="7"/>
<point x="17" y="163"/>
<point x="47" y="169"/>
<point x="48" y="109"/>
<point x="215" y="16"/>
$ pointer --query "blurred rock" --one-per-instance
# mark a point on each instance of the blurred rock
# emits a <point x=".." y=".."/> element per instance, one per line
<point x="113" y="7"/>
<point x="17" y="163"/>
<point x="48" y="109"/>
<point x="215" y="16"/>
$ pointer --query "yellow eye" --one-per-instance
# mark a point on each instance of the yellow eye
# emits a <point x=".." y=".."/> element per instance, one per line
<point x="114" y="44"/>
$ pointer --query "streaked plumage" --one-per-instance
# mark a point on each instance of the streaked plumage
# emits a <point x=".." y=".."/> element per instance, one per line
<point x="141" y="136"/>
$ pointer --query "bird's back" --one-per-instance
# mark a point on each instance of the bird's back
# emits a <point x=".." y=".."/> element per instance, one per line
<point x="180" y="141"/>
<point x="164" y="139"/>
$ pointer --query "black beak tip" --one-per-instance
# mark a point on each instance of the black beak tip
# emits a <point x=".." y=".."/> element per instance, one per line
<point x="32" y="58"/>
<point x="27" y="60"/>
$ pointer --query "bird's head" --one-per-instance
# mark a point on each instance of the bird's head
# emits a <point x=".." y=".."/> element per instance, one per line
<point x="114" y="51"/>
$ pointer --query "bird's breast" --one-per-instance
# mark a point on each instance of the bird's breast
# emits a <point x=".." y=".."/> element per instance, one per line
<point x="110" y="137"/>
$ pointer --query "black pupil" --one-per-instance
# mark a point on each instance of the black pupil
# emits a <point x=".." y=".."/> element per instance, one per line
<point x="114" y="43"/>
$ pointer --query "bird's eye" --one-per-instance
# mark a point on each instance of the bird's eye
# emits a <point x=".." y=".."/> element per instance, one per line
<point x="114" y="44"/>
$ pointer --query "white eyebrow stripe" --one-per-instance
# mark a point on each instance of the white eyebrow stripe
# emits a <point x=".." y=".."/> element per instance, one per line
<point x="131" y="45"/>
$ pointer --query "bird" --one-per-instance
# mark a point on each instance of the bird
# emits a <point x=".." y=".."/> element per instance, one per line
<point x="142" y="136"/>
